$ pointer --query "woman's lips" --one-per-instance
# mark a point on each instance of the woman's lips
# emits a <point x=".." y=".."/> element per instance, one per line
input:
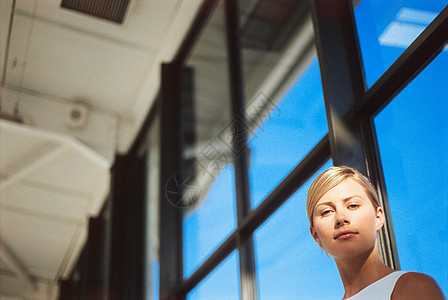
<point x="345" y="235"/>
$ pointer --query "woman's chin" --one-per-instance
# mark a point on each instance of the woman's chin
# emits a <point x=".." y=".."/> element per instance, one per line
<point x="350" y="251"/>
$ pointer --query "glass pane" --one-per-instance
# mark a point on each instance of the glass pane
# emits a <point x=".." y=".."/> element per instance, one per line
<point x="211" y="222"/>
<point x="222" y="283"/>
<point x="387" y="28"/>
<point x="276" y="38"/>
<point x="290" y="264"/>
<point x="295" y="126"/>
<point x="413" y="138"/>
<point x="285" y="110"/>
<point x="155" y="281"/>
<point x="209" y="199"/>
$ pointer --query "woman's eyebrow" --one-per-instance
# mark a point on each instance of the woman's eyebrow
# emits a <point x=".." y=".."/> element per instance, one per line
<point x="350" y="197"/>
<point x="328" y="203"/>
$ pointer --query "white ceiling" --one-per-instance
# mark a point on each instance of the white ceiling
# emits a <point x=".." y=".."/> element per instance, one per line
<point x="54" y="175"/>
<point x="50" y="185"/>
<point x="64" y="56"/>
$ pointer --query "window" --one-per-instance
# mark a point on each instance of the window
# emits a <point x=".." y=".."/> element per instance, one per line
<point x="210" y="222"/>
<point x="285" y="109"/>
<point x="288" y="141"/>
<point x="295" y="125"/>
<point x="387" y="28"/>
<point x="208" y="156"/>
<point x="413" y="138"/>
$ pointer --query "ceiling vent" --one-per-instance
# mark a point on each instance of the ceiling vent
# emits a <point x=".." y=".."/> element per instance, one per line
<point x="111" y="10"/>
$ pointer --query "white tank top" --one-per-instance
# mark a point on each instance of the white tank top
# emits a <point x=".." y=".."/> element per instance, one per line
<point x="380" y="289"/>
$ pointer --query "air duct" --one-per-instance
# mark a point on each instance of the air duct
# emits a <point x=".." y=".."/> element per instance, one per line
<point x="111" y="10"/>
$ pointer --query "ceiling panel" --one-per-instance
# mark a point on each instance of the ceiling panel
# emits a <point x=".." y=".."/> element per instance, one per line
<point x="49" y="241"/>
<point x="5" y="267"/>
<point x="68" y="169"/>
<point x="73" y="65"/>
<point x="50" y="186"/>
<point x="145" y="24"/>
<point x="63" y="56"/>
<point x="76" y="57"/>
<point x="26" y="150"/>
<point x="46" y="202"/>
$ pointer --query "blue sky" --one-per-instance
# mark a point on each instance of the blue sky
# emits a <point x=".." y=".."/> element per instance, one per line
<point x="413" y="141"/>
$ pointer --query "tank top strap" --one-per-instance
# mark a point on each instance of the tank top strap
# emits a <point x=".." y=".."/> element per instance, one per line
<point x="380" y="289"/>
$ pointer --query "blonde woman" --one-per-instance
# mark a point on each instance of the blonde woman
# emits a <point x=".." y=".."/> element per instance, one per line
<point x="345" y="216"/>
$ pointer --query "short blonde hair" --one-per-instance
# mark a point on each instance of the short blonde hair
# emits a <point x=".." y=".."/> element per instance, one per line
<point x="331" y="178"/>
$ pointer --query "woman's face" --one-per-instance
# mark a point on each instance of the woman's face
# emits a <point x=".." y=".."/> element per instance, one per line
<point x="345" y="221"/>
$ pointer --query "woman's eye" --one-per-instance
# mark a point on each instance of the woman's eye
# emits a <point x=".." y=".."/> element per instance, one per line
<point x="325" y="213"/>
<point x="353" y="206"/>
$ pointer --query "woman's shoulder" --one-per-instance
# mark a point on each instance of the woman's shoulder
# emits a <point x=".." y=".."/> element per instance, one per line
<point x="414" y="285"/>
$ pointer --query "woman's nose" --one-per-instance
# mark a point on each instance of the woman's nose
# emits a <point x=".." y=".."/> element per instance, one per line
<point x="341" y="219"/>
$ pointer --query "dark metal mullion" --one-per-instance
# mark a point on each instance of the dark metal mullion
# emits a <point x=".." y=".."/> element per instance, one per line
<point x="126" y="256"/>
<point x="314" y="160"/>
<point x="237" y="106"/>
<point x="342" y="78"/>
<point x="352" y="139"/>
<point x="171" y="233"/>
<point x="410" y="63"/>
<point x="388" y="247"/>
<point x="245" y="243"/>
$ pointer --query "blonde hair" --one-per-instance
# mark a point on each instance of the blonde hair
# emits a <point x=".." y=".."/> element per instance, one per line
<point x="331" y="178"/>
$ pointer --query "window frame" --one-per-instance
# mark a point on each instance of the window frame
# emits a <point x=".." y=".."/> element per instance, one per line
<point x="358" y="108"/>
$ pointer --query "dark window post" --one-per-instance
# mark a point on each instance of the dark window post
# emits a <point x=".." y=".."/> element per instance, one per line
<point x="245" y="242"/>
<point x="127" y="229"/>
<point x="342" y="79"/>
<point x="352" y="140"/>
<point x="171" y="248"/>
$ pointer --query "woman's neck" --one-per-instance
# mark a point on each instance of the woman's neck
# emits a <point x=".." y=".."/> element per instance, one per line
<point x="361" y="271"/>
